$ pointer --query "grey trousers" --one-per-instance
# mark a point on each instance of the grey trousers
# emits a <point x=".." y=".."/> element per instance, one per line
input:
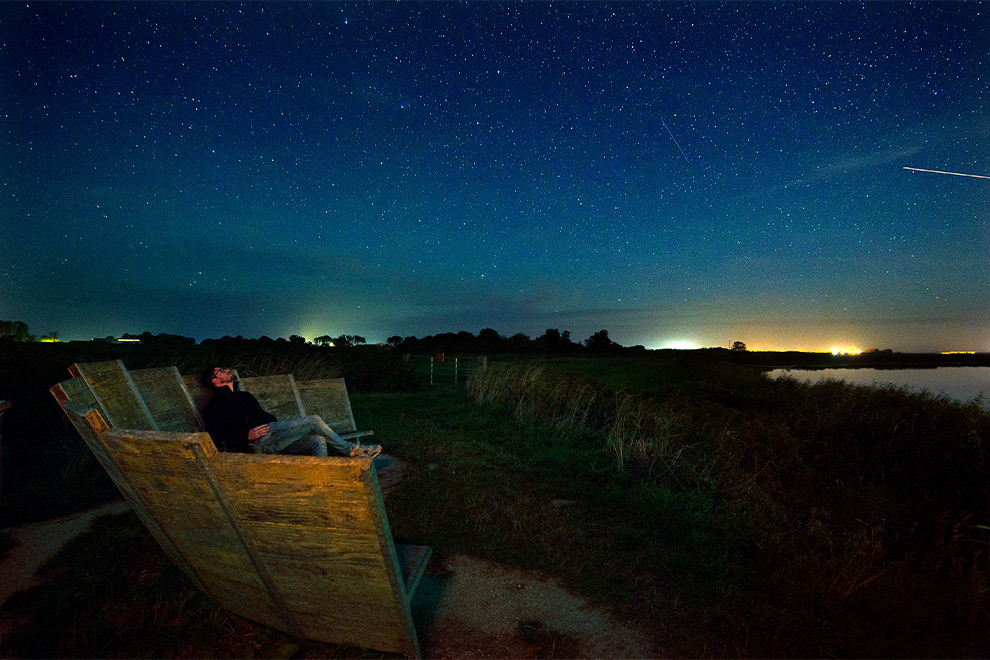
<point x="307" y="436"/>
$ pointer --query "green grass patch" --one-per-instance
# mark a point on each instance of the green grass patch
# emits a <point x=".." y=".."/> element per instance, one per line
<point x="485" y="483"/>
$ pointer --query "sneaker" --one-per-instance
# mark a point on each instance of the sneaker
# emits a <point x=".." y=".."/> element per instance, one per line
<point x="366" y="451"/>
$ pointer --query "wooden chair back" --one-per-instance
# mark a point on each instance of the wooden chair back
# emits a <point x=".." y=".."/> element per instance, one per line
<point x="167" y="398"/>
<point x="328" y="399"/>
<point x="276" y="394"/>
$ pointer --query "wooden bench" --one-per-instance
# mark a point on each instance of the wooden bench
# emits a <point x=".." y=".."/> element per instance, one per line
<point x="298" y="543"/>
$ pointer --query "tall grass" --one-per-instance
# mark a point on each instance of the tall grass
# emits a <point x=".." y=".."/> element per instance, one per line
<point x="867" y="507"/>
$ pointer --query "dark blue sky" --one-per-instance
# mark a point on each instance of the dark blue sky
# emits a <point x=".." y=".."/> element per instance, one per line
<point x="680" y="174"/>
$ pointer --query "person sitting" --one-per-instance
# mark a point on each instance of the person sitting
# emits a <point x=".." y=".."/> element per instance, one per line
<point x="237" y="423"/>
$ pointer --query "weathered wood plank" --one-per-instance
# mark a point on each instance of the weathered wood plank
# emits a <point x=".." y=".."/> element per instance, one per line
<point x="167" y="398"/>
<point x="235" y="598"/>
<point x="328" y="399"/>
<point x="113" y="388"/>
<point x="256" y="469"/>
<point x="296" y="544"/>
<point x="276" y="394"/>
<point x="366" y="633"/>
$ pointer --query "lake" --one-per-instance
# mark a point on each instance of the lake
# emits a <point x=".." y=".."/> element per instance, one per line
<point x="963" y="383"/>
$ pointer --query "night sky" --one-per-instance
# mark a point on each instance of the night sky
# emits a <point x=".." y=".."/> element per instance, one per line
<point x="678" y="174"/>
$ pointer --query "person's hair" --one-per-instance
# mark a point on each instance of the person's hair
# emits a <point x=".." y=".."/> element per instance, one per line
<point x="206" y="377"/>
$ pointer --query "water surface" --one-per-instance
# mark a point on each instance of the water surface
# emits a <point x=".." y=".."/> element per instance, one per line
<point x="963" y="383"/>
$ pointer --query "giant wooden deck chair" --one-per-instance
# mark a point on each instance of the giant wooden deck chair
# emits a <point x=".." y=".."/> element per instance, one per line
<point x="298" y="543"/>
<point x="285" y="397"/>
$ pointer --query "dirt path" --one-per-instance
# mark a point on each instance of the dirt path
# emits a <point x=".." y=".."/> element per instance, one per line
<point x="39" y="541"/>
<point x="485" y="610"/>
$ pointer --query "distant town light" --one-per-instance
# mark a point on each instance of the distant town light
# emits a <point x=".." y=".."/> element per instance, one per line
<point x="680" y="345"/>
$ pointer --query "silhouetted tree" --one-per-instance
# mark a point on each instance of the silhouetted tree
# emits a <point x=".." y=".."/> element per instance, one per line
<point x="599" y="342"/>
<point x="738" y="346"/>
<point x="489" y="341"/>
<point x="323" y="340"/>
<point x="554" y="341"/>
<point x="14" y="331"/>
<point x="519" y="343"/>
<point x="394" y="340"/>
<point x="161" y="338"/>
<point x="297" y="339"/>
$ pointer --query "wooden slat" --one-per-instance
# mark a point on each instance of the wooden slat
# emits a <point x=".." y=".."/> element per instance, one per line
<point x="169" y="401"/>
<point x="278" y="599"/>
<point x="413" y="560"/>
<point x="328" y="399"/>
<point x="276" y="394"/>
<point x="113" y="388"/>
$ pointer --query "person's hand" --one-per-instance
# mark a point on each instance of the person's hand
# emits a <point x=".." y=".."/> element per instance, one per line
<point x="258" y="432"/>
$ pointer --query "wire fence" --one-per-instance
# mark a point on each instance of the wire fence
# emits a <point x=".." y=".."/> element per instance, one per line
<point x="446" y="370"/>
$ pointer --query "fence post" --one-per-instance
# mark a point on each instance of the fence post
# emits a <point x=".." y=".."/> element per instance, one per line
<point x="455" y="371"/>
<point x="431" y="371"/>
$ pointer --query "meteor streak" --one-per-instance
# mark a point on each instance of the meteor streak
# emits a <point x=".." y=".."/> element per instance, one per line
<point x="674" y="139"/>
<point x="975" y="176"/>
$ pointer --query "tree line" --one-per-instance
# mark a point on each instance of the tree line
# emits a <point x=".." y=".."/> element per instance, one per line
<point x="486" y="341"/>
<point x="19" y="331"/>
<point x="490" y="341"/>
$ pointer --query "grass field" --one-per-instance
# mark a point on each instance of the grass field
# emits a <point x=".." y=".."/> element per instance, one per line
<point x="737" y="516"/>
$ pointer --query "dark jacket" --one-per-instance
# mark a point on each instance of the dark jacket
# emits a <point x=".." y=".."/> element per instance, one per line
<point x="229" y="416"/>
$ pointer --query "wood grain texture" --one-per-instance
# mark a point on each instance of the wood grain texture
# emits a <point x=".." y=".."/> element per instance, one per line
<point x="328" y="399"/>
<point x="276" y="394"/>
<point x="167" y="398"/>
<point x="112" y="386"/>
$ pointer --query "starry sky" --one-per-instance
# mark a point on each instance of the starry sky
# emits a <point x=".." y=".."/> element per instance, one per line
<point x="680" y="174"/>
